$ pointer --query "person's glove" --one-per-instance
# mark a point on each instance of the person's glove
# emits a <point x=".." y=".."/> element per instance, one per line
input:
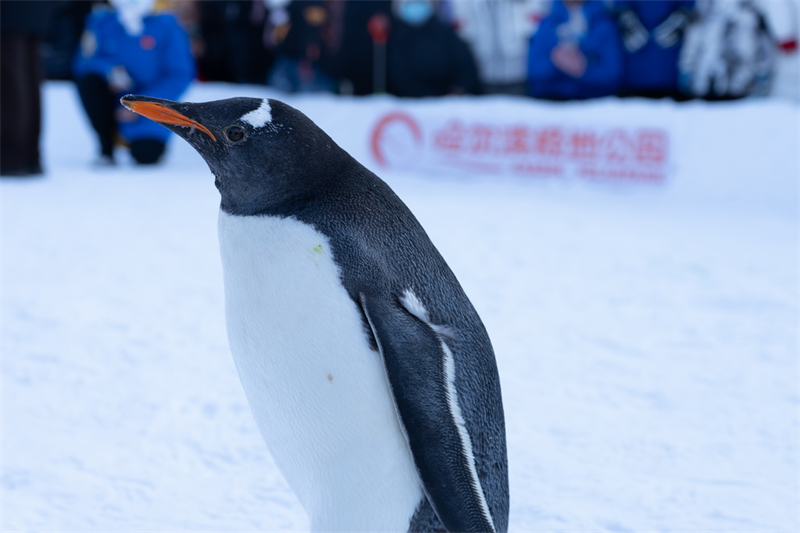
<point x="569" y="60"/>
<point x="668" y="33"/>
<point x="634" y="34"/>
<point x="119" y="80"/>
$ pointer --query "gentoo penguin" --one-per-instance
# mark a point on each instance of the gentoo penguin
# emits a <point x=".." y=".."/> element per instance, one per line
<point x="370" y="375"/>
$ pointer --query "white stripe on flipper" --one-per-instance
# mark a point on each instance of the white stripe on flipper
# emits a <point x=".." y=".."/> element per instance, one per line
<point x="414" y="305"/>
<point x="466" y="442"/>
<point x="259" y="117"/>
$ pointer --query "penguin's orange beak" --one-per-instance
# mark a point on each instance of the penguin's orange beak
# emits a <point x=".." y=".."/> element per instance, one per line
<point x="164" y="115"/>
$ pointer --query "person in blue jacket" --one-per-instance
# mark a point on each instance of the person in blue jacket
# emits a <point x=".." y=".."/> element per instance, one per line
<point x="652" y="33"/>
<point x="131" y="49"/>
<point x="576" y="53"/>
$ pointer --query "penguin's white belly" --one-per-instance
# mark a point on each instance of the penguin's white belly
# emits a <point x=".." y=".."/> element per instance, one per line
<point x="319" y="394"/>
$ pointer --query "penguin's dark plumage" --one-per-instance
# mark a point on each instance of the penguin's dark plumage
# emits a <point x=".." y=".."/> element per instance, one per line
<point x="328" y="274"/>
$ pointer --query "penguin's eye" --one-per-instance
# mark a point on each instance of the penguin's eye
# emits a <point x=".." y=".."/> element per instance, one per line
<point x="235" y="133"/>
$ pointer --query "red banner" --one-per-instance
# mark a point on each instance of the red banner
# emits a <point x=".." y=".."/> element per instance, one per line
<point x="399" y="140"/>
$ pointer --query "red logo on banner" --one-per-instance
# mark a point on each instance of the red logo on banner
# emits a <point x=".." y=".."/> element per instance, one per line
<point x="401" y="141"/>
<point x="395" y="138"/>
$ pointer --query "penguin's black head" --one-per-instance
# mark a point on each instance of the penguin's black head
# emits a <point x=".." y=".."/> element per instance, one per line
<point x="262" y="152"/>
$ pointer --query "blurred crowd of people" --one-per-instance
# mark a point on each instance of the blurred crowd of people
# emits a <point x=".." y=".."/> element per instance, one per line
<point x="552" y="49"/>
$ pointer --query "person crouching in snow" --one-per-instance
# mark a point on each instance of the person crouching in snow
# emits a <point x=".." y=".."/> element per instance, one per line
<point x="130" y="49"/>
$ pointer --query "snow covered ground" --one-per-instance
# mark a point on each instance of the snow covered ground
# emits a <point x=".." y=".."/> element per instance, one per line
<point x="647" y="336"/>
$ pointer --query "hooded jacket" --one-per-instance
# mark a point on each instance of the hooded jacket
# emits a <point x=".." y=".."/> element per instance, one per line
<point x="159" y="61"/>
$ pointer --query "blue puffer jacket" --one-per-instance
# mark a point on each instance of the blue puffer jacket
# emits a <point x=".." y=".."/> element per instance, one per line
<point x="652" y="67"/>
<point x="600" y="44"/>
<point x="159" y="61"/>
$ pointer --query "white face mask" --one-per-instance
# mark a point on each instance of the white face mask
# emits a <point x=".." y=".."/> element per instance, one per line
<point x="132" y="12"/>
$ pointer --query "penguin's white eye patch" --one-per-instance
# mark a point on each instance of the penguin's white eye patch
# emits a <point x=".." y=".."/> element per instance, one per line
<point x="235" y="133"/>
<point x="259" y="117"/>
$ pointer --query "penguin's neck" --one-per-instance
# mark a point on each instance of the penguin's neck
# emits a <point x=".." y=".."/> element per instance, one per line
<point x="274" y="190"/>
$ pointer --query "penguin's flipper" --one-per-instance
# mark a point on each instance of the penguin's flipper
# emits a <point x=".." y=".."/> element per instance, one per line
<point x="421" y="373"/>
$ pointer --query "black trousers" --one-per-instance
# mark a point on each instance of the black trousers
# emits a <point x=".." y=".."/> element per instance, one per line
<point x="20" y="104"/>
<point x="100" y="104"/>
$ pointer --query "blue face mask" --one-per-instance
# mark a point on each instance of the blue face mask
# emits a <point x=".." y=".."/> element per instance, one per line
<point x="415" y="12"/>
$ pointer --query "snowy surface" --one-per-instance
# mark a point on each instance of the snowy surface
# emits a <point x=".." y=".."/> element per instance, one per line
<point x="647" y="336"/>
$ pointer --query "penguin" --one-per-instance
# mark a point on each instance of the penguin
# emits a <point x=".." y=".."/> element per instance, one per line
<point x="369" y="373"/>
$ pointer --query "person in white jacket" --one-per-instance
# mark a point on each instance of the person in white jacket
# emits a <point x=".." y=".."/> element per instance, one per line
<point x="728" y="52"/>
<point x="783" y="21"/>
<point x="499" y="32"/>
